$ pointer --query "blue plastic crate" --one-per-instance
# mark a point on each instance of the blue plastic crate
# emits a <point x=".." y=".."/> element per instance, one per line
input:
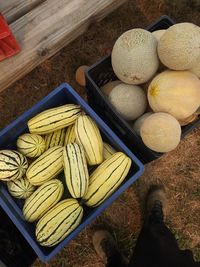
<point x="62" y="95"/>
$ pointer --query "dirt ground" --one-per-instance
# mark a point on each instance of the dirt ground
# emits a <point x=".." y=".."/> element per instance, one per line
<point x="178" y="170"/>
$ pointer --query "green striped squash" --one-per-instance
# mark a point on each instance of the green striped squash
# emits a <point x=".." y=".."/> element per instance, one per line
<point x="54" y="119"/>
<point x="88" y="135"/>
<point x="55" y="138"/>
<point x="59" y="222"/>
<point x="44" y="198"/>
<point x="46" y="167"/>
<point x="106" y="178"/>
<point x="70" y="136"/>
<point x="108" y="151"/>
<point x="31" y="145"/>
<point x="20" y="188"/>
<point x="76" y="171"/>
<point x="13" y="165"/>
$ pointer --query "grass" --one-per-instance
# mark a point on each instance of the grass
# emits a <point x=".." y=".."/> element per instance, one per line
<point x="196" y="193"/>
<point x="184" y="243"/>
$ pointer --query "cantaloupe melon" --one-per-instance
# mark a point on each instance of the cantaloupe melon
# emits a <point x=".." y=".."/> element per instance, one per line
<point x="129" y="100"/>
<point x="107" y="88"/>
<point x="179" y="47"/>
<point x="161" y="132"/>
<point x="80" y="75"/>
<point x="158" y="34"/>
<point x="134" y="56"/>
<point x="175" y="92"/>
<point x="138" y="123"/>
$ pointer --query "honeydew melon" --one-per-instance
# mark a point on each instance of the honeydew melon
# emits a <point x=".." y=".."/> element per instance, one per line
<point x="129" y="100"/>
<point x="158" y="34"/>
<point x="107" y="88"/>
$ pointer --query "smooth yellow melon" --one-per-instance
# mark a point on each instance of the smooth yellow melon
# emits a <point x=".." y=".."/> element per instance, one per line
<point x="129" y="100"/>
<point x="188" y="120"/>
<point x="107" y="88"/>
<point x="175" y="92"/>
<point x="138" y="123"/>
<point x="197" y="112"/>
<point x="158" y="34"/>
<point x="196" y="69"/>
<point x="161" y="132"/>
<point x="179" y="47"/>
<point x="134" y="56"/>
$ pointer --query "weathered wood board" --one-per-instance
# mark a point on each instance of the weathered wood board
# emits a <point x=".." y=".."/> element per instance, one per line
<point x="47" y="28"/>
<point x="14" y="9"/>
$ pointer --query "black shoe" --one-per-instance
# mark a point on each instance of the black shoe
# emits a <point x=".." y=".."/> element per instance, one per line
<point x="156" y="204"/>
<point x="105" y="245"/>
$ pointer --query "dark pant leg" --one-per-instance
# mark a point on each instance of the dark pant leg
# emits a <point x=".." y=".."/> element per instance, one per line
<point x="115" y="260"/>
<point x="157" y="247"/>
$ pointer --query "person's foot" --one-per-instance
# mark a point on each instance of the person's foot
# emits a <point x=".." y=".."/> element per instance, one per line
<point x="104" y="245"/>
<point x="156" y="203"/>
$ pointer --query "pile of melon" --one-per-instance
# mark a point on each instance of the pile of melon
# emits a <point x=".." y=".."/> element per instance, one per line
<point x="158" y="90"/>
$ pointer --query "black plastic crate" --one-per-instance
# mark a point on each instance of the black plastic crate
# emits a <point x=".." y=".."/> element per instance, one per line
<point x="100" y="74"/>
<point x="14" y="250"/>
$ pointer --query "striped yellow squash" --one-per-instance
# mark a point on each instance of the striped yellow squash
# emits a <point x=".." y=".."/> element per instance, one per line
<point x="55" y="138"/>
<point x="46" y="167"/>
<point x="106" y="178"/>
<point x="107" y="150"/>
<point x="54" y="119"/>
<point x="13" y="165"/>
<point x="70" y="136"/>
<point x="44" y="198"/>
<point x="88" y="135"/>
<point x="59" y="222"/>
<point x="31" y="145"/>
<point x="76" y="171"/>
<point x="20" y="188"/>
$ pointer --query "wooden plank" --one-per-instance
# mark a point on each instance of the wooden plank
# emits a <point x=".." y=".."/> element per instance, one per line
<point x="48" y="28"/>
<point x="14" y="9"/>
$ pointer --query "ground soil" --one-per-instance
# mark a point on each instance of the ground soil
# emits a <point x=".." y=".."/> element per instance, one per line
<point x="178" y="170"/>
